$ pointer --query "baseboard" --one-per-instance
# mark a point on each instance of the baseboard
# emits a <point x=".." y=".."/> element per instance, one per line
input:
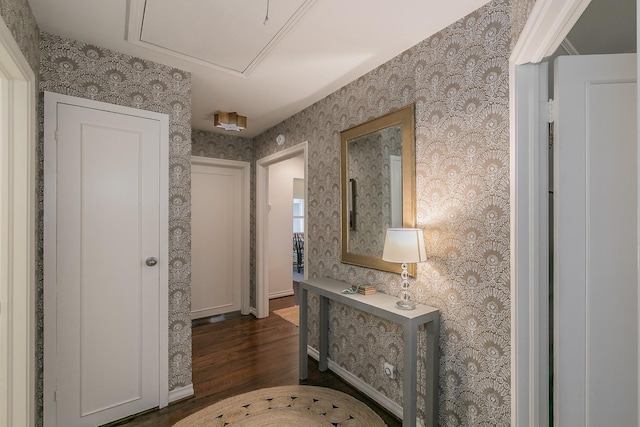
<point x="181" y="393"/>
<point x="381" y="399"/>
<point x="281" y="294"/>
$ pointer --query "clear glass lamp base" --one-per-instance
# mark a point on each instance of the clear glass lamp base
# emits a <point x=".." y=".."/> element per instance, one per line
<point x="406" y="305"/>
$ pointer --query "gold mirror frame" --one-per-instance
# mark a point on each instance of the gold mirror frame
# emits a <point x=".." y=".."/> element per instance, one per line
<point x="405" y="118"/>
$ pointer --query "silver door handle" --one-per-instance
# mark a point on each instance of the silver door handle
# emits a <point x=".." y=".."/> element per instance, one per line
<point x="151" y="261"/>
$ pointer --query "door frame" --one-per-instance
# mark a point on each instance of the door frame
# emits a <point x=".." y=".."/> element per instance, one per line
<point x="245" y="168"/>
<point x="548" y="24"/>
<point x="50" y="155"/>
<point x="18" y="205"/>
<point x="262" y="201"/>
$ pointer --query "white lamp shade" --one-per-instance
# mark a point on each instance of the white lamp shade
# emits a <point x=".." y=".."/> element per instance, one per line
<point x="404" y="245"/>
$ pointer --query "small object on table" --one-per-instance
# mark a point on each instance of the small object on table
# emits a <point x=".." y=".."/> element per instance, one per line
<point x="361" y="288"/>
<point x="364" y="289"/>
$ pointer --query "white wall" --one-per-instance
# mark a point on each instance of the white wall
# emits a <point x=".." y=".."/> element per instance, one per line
<point x="280" y="225"/>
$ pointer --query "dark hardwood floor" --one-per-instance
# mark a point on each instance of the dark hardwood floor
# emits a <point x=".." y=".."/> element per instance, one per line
<point x="240" y="354"/>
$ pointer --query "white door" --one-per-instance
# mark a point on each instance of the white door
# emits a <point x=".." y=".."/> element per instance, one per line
<point x="104" y="358"/>
<point x="217" y="230"/>
<point x="596" y="252"/>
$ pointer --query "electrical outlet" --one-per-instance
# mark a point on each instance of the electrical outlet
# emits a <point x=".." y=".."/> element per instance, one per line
<point x="390" y="370"/>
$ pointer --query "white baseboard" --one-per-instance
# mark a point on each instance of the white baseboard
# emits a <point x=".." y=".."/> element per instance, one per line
<point x="281" y="294"/>
<point x="381" y="399"/>
<point x="181" y="393"/>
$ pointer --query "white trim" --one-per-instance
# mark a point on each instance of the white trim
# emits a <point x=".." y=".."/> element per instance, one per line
<point x="548" y="24"/>
<point x="135" y="22"/>
<point x="281" y="294"/>
<point x="17" y="230"/>
<point x="245" y="167"/>
<point x="50" y="124"/>
<point x="181" y="393"/>
<point x="569" y="47"/>
<point x="262" y="192"/>
<point x="530" y="246"/>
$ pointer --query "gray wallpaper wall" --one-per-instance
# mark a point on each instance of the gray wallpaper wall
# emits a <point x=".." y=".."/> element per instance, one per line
<point x="86" y="71"/>
<point x="458" y="79"/>
<point x="520" y="11"/>
<point x="18" y="17"/>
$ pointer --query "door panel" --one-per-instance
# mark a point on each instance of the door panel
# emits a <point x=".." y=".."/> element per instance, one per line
<point x="595" y="263"/>
<point x="216" y="239"/>
<point x="108" y="199"/>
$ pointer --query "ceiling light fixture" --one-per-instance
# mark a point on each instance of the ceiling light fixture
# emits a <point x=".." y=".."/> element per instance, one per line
<point x="229" y="121"/>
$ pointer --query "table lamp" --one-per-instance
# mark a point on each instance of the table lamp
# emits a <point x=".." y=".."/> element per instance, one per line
<point x="404" y="245"/>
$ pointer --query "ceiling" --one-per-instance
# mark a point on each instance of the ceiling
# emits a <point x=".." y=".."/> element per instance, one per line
<point x="604" y="29"/>
<point x="265" y="69"/>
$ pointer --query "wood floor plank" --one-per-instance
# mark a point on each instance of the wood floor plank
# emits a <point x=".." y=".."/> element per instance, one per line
<point x="241" y="354"/>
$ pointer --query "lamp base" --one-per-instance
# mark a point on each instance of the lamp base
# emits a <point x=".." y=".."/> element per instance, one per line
<point x="406" y="305"/>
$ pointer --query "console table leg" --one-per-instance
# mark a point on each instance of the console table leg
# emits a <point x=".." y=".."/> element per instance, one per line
<point x="302" y="335"/>
<point x="432" y="371"/>
<point x="324" y="334"/>
<point x="410" y="377"/>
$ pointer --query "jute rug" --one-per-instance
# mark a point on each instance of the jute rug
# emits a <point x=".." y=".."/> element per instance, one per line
<point x="286" y="406"/>
<point x="290" y="314"/>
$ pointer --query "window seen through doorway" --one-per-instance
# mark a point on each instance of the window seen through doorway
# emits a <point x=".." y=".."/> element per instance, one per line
<point x="298" y="205"/>
<point x="298" y="215"/>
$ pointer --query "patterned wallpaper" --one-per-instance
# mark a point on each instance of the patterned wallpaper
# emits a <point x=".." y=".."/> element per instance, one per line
<point x="458" y="79"/>
<point x="521" y="9"/>
<point x="19" y="19"/>
<point x="78" y="69"/>
<point x="369" y="164"/>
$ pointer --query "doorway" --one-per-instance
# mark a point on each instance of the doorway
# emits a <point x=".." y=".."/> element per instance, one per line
<point x="281" y="254"/>
<point x="262" y="222"/>
<point x="17" y="234"/>
<point x="220" y="236"/>
<point x="105" y="261"/>
<point x="549" y="23"/>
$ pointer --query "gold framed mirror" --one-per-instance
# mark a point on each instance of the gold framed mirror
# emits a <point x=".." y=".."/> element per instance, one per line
<point x="377" y="183"/>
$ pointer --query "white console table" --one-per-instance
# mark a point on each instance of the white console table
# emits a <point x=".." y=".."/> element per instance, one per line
<point x="384" y="306"/>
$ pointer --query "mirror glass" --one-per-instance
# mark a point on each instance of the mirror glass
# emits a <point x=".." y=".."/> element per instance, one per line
<point x="377" y="183"/>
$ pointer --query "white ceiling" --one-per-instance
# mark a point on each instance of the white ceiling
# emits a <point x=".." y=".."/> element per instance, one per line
<point x="266" y="71"/>
<point x="604" y="29"/>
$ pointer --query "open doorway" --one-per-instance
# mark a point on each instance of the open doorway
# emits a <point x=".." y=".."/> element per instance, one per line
<point x="269" y="188"/>
<point x="18" y="207"/>
<point x="281" y="239"/>
<point x="548" y="25"/>
<point x="299" y="214"/>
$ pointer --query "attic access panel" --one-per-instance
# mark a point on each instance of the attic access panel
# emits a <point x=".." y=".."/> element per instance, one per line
<point x="230" y="35"/>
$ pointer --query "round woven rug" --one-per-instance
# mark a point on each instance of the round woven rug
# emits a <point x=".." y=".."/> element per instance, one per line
<point x="285" y="406"/>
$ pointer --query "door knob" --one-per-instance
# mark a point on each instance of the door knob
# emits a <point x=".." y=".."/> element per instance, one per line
<point x="151" y="261"/>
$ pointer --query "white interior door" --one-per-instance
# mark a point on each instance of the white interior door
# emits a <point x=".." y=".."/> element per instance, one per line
<point x="217" y="222"/>
<point x="103" y="361"/>
<point x="596" y="252"/>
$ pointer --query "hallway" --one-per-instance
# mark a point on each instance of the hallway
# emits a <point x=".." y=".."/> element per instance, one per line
<point x="239" y="354"/>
